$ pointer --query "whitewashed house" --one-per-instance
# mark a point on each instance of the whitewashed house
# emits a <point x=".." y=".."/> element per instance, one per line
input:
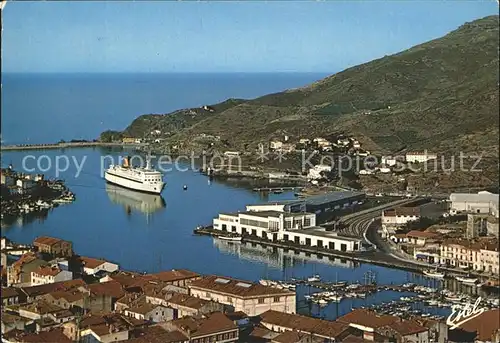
<point x="46" y="274"/>
<point x="92" y="266"/>
<point x="419" y="156"/>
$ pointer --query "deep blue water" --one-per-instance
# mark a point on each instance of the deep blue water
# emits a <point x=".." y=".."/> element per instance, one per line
<point x="101" y="223"/>
<point x="45" y="108"/>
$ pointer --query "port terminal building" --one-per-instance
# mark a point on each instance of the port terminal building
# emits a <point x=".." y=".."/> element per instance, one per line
<point x="290" y="222"/>
<point x="315" y="204"/>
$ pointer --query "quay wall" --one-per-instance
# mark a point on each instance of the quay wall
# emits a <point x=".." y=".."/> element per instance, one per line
<point x="371" y="257"/>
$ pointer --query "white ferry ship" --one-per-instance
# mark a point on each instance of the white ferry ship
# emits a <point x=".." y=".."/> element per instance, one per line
<point x="141" y="179"/>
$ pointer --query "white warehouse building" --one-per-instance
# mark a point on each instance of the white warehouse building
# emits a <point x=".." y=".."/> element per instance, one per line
<point x="299" y="228"/>
<point x="482" y="202"/>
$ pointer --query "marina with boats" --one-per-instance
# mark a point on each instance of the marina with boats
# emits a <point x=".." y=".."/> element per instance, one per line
<point x="415" y="299"/>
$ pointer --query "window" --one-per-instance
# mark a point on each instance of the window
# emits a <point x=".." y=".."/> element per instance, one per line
<point x="276" y="299"/>
<point x="261" y="300"/>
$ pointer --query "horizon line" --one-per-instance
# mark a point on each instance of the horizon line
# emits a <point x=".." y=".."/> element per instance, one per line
<point x="167" y="72"/>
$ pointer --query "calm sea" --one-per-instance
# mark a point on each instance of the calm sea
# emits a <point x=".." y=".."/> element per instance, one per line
<point x="148" y="233"/>
<point x="45" y="108"/>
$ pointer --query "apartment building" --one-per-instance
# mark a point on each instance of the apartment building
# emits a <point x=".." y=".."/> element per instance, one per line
<point x="250" y="298"/>
<point x="19" y="273"/>
<point x="54" y="246"/>
<point x="480" y="255"/>
<point x="46" y="274"/>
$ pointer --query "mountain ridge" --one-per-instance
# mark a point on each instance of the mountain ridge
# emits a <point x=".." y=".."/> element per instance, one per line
<point x="440" y="95"/>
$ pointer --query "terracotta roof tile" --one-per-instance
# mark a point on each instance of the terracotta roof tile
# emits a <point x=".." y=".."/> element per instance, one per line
<point x="51" y="336"/>
<point x="47" y="271"/>
<point x="141" y="306"/>
<point x="422" y="234"/>
<point x="69" y="295"/>
<point x="367" y="318"/>
<point x="484" y="325"/>
<point x="112" y="288"/>
<point x="402" y="211"/>
<point x="187" y="301"/>
<point x="319" y="327"/>
<point x="175" y="275"/>
<point x="25" y="258"/>
<point x="89" y="262"/>
<point x="52" y="287"/>
<point x="294" y="337"/>
<point x="235" y="287"/>
<point x="156" y="334"/>
<point x="213" y="323"/>
<point x="97" y="322"/>
<point x="407" y="327"/>
<point x="9" y="292"/>
<point x="45" y="240"/>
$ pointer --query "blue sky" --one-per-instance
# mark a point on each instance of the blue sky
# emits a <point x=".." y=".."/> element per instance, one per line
<point x="251" y="36"/>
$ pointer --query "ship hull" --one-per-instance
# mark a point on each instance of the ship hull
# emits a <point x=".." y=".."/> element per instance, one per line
<point x="133" y="185"/>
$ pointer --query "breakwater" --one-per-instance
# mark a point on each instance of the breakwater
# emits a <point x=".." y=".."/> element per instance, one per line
<point x="68" y="145"/>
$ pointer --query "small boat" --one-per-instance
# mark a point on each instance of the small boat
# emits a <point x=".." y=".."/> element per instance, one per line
<point x="453" y="298"/>
<point x="264" y="282"/>
<point x="230" y="238"/>
<point x="314" y="278"/>
<point x="353" y="286"/>
<point x="339" y="284"/>
<point x="336" y="298"/>
<point x="467" y="279"/>
<point x="322" y="302"/>
<point x="434" y="273"/>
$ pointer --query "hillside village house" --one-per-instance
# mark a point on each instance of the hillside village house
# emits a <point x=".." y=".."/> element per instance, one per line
<point x="131" y="140"/>
<point x="251" y="298"/>
<point x="315" y="172"/>
<point x="54" y="246"/>
<point x="275" y="145"/>
<point x="284" y="226"/>
<point x="46" y="274"/>
<point x="419" y="157"/>
<point x="388" y="161"/>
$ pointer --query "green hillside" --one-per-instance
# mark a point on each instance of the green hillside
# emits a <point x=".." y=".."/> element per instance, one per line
<point x="441" y="95"/>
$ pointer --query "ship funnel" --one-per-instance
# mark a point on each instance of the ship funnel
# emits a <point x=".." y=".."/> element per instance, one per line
<point x="148" y="161"/>
<point x="126" y="162"/>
